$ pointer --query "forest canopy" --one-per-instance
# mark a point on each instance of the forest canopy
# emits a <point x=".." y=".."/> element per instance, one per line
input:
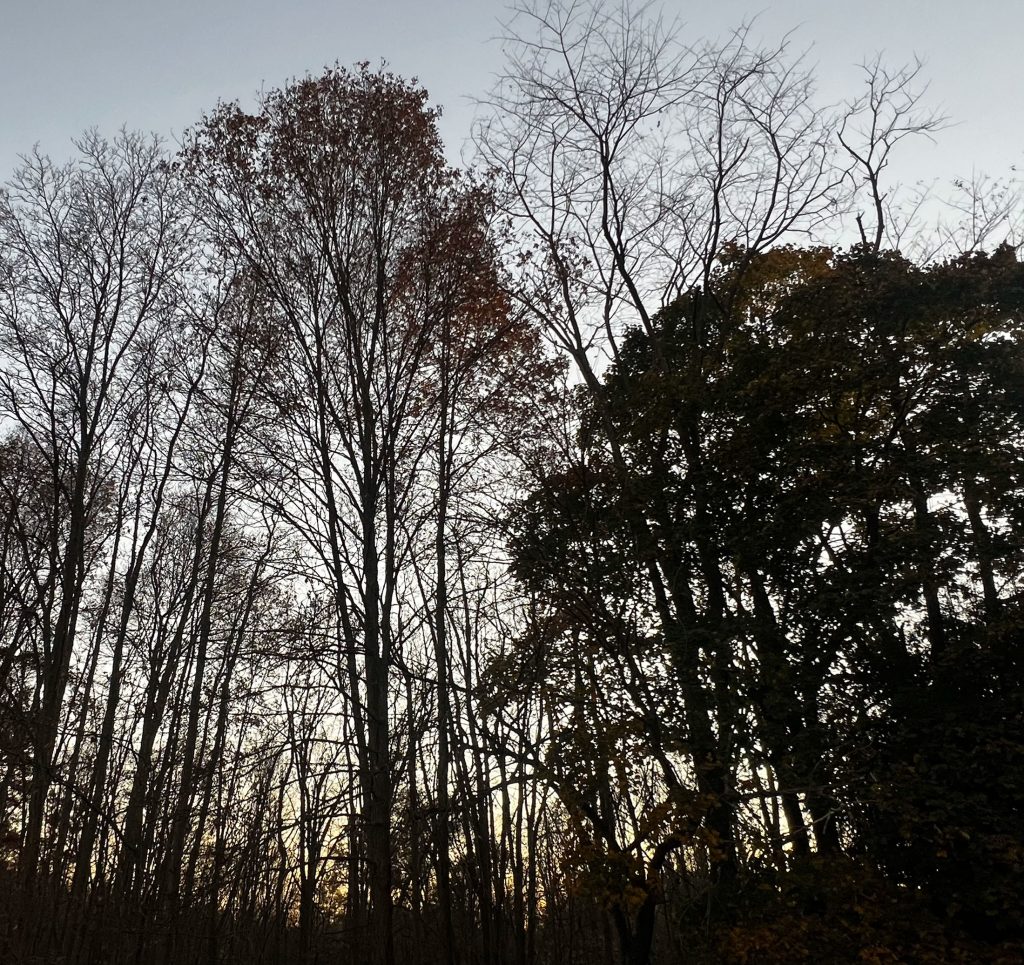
<point x="607" y="552"/>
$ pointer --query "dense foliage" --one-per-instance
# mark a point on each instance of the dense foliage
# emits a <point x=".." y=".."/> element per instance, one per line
<point x="826" y="455"/>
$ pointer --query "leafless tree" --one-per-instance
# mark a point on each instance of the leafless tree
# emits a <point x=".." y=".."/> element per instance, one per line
<point x="93" y="258"/>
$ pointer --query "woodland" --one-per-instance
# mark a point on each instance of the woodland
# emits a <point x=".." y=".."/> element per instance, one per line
<point x="607" y="552"/>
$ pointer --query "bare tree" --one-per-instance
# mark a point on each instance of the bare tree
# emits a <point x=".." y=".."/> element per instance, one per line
<point x="631" y="159"/>
<point x="889" y="111"/>
<point x="329" y="202"/>
<point x="94" y="254"/>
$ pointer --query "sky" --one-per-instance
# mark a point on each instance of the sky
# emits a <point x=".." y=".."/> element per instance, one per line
<point x="68" y="65"/>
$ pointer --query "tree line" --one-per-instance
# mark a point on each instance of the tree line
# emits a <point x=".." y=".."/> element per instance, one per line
<point x="608" y="553"/>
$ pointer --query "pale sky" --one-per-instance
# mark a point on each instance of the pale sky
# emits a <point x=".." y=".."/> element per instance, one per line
<point x="66" y="65"/>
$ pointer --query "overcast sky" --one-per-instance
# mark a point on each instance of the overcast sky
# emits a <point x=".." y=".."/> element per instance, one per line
<point x="66" y="65"/>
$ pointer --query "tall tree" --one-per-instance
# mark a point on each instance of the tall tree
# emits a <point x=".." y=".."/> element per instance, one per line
<point x="94" y="253"/>
<point x="337" y="196"/>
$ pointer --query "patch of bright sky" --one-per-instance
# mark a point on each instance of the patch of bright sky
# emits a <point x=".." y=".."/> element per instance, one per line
<point x="66" y="65"/>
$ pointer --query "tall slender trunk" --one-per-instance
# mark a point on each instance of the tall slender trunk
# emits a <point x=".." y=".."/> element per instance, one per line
<point x="378" y="752"/>
<point x="105" y="742"/>
<point x="441" y="662"/>
<point x="132" y="859"/>
<point x="55" y="673"/>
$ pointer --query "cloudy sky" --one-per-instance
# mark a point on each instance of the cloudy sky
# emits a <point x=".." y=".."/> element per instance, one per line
<point x="66" y="65"/>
